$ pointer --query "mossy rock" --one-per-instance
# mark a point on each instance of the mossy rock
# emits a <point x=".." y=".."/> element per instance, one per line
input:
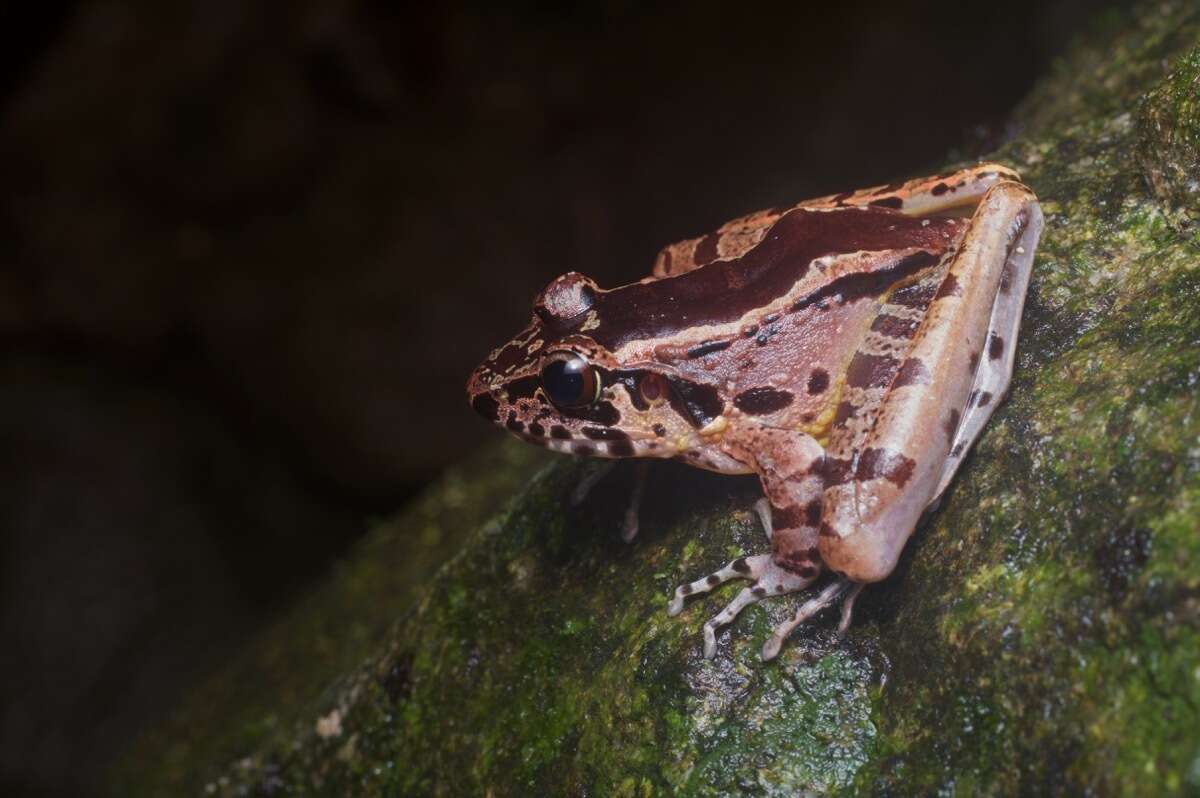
<point x="1042" y="633"/>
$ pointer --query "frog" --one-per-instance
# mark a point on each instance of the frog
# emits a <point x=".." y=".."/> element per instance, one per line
<point x="848" y="350"/>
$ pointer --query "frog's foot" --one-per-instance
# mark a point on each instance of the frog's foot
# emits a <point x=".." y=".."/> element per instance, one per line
<point x="768" y="578"/>
<point x="842" y="589"/>
<point x="629" y="527"/>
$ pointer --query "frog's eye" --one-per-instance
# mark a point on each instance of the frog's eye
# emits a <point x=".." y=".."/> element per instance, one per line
<point x="569" y="380"/>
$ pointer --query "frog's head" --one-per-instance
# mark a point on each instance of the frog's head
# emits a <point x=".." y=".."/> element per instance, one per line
<point x="557" y="386"/>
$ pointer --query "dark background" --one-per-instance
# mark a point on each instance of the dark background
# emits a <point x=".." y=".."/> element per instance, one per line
<point x="252" y="250"/>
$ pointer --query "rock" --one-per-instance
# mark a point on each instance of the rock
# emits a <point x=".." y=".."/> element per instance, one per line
<point x="1168" y="120"/>
<point x="1041" y="634"/>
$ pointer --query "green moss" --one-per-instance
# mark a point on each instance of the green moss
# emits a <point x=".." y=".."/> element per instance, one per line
<point x="1169" y="128"/>
<point x="1040" y="635"/>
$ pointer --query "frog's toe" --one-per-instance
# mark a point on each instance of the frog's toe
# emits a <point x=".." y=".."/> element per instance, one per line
<point x="837" y="590"/>
<point x="751" y="568"/>
<point x="774" y="581"/>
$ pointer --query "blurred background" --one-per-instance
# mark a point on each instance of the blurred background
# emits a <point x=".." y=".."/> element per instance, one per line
<point x="251" y="250"/>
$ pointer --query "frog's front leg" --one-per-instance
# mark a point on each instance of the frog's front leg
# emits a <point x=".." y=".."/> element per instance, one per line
<point x="789" y="465"/>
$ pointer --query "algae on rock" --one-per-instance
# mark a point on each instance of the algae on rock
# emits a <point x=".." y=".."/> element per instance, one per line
<point x="1042" y="633"/>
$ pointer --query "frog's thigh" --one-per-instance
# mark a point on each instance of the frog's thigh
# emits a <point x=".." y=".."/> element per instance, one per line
<point x="902" y="461"/>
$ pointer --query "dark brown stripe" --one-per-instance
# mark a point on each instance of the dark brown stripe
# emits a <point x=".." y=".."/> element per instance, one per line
<point x="888" y="202"/>
<point x="560" y="432"/>
<point x="648" y="310"/>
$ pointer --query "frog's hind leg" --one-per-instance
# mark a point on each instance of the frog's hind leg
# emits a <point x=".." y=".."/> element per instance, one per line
<point x="995" y="361"/>
<point x="902" y="458"/>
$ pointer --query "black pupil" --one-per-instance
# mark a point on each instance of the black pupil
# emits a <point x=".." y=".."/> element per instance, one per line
<point x="567" y="382"/>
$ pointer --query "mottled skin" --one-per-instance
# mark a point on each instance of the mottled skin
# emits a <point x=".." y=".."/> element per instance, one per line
<point x="848" y="350"/>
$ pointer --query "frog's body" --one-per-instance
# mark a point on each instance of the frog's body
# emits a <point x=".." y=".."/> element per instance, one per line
<point x="848" y="350"/>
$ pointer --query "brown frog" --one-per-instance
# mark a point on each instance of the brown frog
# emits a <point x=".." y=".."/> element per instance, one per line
<point x="848" y="350"/>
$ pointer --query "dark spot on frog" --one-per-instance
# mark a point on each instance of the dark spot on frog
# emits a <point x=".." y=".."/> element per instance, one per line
<point x="939" y="189"/>
<point x="486" y="406"/>
<point x="835" y="470"/>
<point x="585" y="449"/>
<point x="713" y="580"/>
<point x="513" y="423"/>
<point x="758" y="591"/>
<point x="870" y="371"/>
<point x="789" y="517"/>
<point x="985" y="399"/>
<point x="707" y="348"/>
<point x="685" y="590"/>
<point x="765" y="335"/>
<point x="697" y="403"/>
<point x="620" y="449"/>
<point x="807" y="418"/>
<point x="973" y="362"/>
<point x="536" y="429"/>
<point x="812" y="512"/>
<point x="917" y="295"/>
<point x="706" y="249"/>
<point x="841" y="198"/>
<point x="818" y="381"/>
<point x="740" y="565"/>
<point x="770" y="318"/>
<point x="762" y="400"/>
<point x="604" y="434"/>
<point x="887" y="464"/>
<point x="995" y="347"/>
<point x="560" y="432"/>
<point x="845" y="410"/>
<point x="888" y="202"/>
<point x="913" y="372"/>
<point x="951" y="425"/>
<point x="949" y="287"/>
<point x="827" y="531"/>
<point x="894" y="326"/>
<point x="957" y="450"/>
<point x="750" y="331"/>
<point x="660" y="430"/>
